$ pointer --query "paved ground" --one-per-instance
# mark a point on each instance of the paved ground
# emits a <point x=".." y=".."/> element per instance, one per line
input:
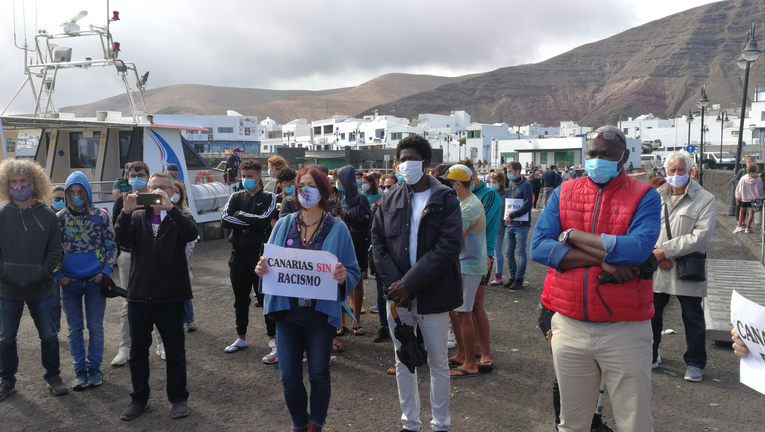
<point x="233" y="392"/>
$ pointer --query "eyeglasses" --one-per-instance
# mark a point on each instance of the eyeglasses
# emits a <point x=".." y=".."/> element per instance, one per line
<point x="132" y="176"/>
<point x="58" y="199"/>
<point x="606" y="136"/>
<point x="383" y="187"/>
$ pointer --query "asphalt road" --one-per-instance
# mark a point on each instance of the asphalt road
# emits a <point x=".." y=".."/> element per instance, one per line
<point x="234" y="392"/>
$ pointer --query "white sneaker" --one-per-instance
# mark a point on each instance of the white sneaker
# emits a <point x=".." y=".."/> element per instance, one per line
<point x="749" y="230"/>
<point x="236" y="346"/>
<point x="123" y="355"/>
<point x="272" y="357"/>
<point x="655" y="364"/>
<point x="738" y="229"/>
<point x="451" y="340"/>
<point x="161" y="351"/>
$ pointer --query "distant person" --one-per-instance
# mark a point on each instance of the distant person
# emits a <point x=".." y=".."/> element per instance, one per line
<point x="58" y="203"/>
<point x="748" y="188"/>
<point x="285" y="179"/>
<point x="276" y="163"/>
<point x="30" y="246"/>
<point x="121" y="185"/>
<point x="87" y="239"/>
<point x="515" y="230"/>
<point x="172" y="169"/>
<point x="232" y="166"/>
<point x="689" y="215"/>
<point x="159" y="286"/>
<point x="550" y="181"/>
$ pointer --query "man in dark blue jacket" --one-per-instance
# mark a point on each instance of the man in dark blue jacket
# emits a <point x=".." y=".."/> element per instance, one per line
<point x="416" y="237"/>
<point x="516" y="221"/>
<point x="550" y="180"/>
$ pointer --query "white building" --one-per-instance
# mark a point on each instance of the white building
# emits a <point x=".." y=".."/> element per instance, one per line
<point x="561" y="151"/>
<point x="479" y="138"/>
<point x="222" y="134"/>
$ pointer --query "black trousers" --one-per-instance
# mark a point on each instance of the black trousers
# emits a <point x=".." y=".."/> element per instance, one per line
<point x="168" y="317"/>
<point x="243" y="281"/>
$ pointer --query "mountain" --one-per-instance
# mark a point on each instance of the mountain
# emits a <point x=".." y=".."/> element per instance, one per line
<point x="280" y="105"/>
<point x="655" y="68"/>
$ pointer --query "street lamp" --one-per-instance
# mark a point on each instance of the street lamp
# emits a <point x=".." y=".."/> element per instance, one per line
<point x="750" y="54"/>
<point x="496" y="151"/>
<point x="689" y="120"/>
<point x="448" y="140"/>
<point x="752" y="127"/>
<point x="722" y="117"/>
<point x="702" y="103"/>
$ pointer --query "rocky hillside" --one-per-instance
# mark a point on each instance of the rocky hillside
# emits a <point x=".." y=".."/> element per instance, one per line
<point x="657" y="67"/>
<point x="280" y="105"/>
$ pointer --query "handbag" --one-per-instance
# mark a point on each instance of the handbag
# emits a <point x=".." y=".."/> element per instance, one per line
<point x="691" y="267"/>
<point x="109" y="289"/>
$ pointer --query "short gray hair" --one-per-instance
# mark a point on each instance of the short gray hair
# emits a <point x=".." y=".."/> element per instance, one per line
<point x="167" y="176"/>
<point x="680" y="155"/>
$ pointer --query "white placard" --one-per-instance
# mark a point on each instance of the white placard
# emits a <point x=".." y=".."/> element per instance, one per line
<point x="300" y="273"/>
<point x="514" y="204"/>
<point x="748" y="318"/>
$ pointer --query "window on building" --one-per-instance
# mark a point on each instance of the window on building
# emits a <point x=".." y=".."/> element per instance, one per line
<point x="125" y="137"/>
<point x="317" y="130"/>
<point x="342" y="136"/>
<point x="83" y="151"/>
<point x="626" y="131"/>
<point x="543" y="158"/>
<point x="225" y="130"/>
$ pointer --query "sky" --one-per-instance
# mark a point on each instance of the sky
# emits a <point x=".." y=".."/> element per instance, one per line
<point x="309" y="44"/>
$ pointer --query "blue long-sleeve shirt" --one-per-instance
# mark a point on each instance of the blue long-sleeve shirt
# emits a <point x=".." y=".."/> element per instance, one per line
<point x="630" y="249"/>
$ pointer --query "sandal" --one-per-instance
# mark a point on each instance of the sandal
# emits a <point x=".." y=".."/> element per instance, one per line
<point x="486" y="367"/>
<point x="358" y="331"/>
<point x="337" y="346"/>
<point x="454" y="363"/>
<point x="341" y="331"/>
<point x="461" y="373"/>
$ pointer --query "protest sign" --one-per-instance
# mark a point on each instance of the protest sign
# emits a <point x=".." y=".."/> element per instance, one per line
<point x="515" y="204"/>
<point x="748" y="318"/>
<point x="299" y="273"/>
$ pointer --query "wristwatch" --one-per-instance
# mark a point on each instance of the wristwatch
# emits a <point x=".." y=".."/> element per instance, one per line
<point x="563" y="237"/>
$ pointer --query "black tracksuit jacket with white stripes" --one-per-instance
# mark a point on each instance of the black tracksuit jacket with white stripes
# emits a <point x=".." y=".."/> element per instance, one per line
<point x="249" y="219"/>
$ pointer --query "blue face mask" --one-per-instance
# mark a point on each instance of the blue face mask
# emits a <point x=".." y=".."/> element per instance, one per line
<point x="59" y="205"/>
<point x="340" y="188"/>
<point x="137" y="183"/>
<point x="601" y="170"/>
<point x="249" y="184"/>
<point x="472" y="188"/>
<point x="358" y="181"/>
<point x="494" y="186"/>
<point x="290" y="190"/>
<point x="510" y="176"/>
<point x="77" y="201"/>
<point x="399" y="178"/>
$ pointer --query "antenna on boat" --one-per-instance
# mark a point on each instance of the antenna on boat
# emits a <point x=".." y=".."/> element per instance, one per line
<point x="24" y="47"/>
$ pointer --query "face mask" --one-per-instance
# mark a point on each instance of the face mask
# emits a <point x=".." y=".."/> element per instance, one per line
<point x="77" y="201"/>
<point x="411" y="171"/>
<point x="60" y="205"/>
<point x="677" y="181"/>
<point x="137" y="183"/>
<point x="472" y="188"/>
<point x="249" y="184"/>
<point x="601" y="170"/>
<point x="290" y="190"/>
<point x="21" y="194"/>
<point x="494" y="186"/>
<point x="510" y="176"/>
<point x="339" y="188"/>
<point x="358" y="181"/>
<point x="365" y="187"/>
<point x="399" y="178"/>
<point x="309" y="197"/>
<point x="175" y="198"/>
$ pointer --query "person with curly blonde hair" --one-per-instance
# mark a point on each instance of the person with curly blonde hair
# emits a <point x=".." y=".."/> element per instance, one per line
<point x="30" y="247"/>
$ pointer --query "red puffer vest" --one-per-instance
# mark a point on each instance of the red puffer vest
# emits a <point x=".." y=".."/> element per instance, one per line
<point x="574" y="292"/>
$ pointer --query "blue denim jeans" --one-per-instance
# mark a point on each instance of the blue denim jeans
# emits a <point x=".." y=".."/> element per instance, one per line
<point x="72" y="295"/>
<point x="499" y="252"/>
<point x="515" y="245"/>
<point x="57" y="306"/>
<point x="189" y="308"/>
<point x="694" y="323"/>
<point x="291" y="341"/>
<point x="41" y="311"/>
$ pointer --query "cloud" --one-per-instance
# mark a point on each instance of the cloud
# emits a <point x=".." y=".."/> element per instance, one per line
<point x="308" y="44"/>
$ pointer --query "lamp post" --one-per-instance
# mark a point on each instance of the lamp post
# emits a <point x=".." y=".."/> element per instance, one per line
<point x="752" y="127"/>
<point x="750" y="54"/>
<point x="722" y="117"/>
<point x="702" y="103"/>
<point x="689" y="120"/>
<point x="496" y="152"/>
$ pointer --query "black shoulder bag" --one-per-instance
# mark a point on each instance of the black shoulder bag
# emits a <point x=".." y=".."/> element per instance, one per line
<point x="691" y="267"/>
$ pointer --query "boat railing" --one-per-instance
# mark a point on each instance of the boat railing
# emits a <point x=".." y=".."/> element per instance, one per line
<point x="102" y="190"/>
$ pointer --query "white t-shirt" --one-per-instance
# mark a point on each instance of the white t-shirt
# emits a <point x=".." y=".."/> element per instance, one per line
<point x="419" y="201"/>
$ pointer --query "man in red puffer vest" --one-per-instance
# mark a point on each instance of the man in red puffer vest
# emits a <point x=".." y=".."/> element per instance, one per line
<point x="606" y="222"/>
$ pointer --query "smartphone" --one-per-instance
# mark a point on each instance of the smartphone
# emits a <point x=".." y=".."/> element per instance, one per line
<point x="147" y="199"/>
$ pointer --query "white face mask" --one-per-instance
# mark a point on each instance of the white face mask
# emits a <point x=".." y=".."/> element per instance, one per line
<point x="411" y="171"/>
<point x="175" y="198"/>
<point x="677" y="181"/>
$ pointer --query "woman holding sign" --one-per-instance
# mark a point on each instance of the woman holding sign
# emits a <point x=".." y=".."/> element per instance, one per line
<point x="306" y="324"/>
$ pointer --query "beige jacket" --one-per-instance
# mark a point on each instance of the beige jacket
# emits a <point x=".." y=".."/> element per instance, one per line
<point x="692" y="223"/>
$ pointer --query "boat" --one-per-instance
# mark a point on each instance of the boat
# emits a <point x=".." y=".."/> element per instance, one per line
<point x="100" y="146"/>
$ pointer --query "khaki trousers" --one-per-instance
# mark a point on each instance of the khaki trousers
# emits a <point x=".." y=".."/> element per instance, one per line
<point x="620" y="352"/>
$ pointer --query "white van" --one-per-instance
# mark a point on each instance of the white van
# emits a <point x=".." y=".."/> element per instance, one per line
<point x="727" y="158"/>
<point x="652" y="143"/>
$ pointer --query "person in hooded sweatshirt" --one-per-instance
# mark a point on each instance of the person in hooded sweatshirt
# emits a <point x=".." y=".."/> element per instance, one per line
<point x="357" y="214"/>
<point x="87" y="238"/>
<point x="30" y="249"/>
<point x="748" y="188"/>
